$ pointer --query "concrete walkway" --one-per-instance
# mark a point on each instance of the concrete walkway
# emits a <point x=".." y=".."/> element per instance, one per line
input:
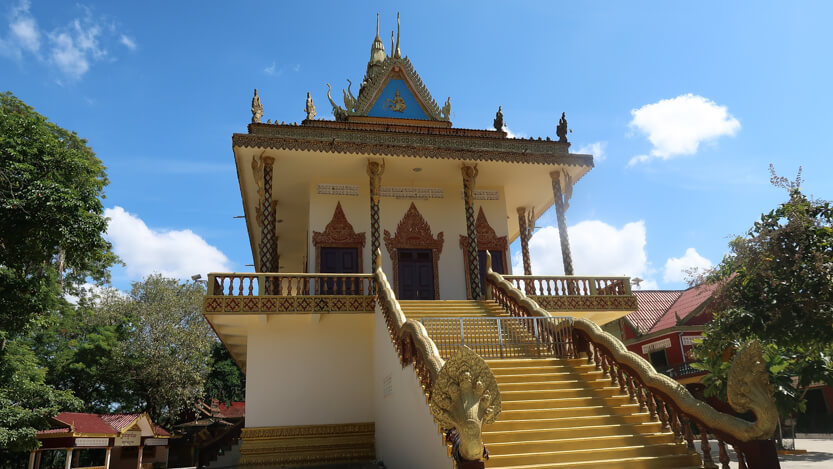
<point x="819" y="455"/>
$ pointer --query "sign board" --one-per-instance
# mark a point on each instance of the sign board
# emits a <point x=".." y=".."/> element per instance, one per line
<point x="658" y="345"/>
<point x="88" y="442"/>
<point x="129" y="438"/>
<point x="156" y="442"/>
<point x="690" y="339"/>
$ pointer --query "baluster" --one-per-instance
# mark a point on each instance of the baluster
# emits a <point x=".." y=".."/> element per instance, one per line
<point x="605" y="370"/>
<point x="689" y="437"/>
<point x="640" y="397"/>
<point x="662" y="412"/>
<point x="631" y="388"/>
<point x="724" y="455"/>
<point x="652" y="405"/>
<point x="741" y="459"/>
<point x="706" y="448"/>
<point x="598" y="357"/>
<point x="251" y="285"/>
<point x="621" y="377"/>
<point x="240" y="286"/>
<point x="676" y="426"/>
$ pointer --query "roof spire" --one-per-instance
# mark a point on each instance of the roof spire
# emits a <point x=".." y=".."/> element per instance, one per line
<point x="398" y="53"/>
<point x="377" y="51"/>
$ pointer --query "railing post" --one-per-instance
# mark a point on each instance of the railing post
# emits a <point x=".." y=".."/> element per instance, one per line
<point x="593" y="288"/>
<point x="462" y="339"/>
<point x="537" y="338"/>
<point x="499" y="337"/>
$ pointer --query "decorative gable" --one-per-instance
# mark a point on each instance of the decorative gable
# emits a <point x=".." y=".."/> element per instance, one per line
<point x="391" y="89"/>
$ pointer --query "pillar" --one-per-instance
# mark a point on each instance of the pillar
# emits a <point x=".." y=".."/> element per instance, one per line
<point x="469" y="178"/>
<point x="268" y="240"/>
<point x="374" y="171"/>
<point x="525" y="220"/>
<point x="139" y="458"/>
<point x="32" y="456"/>
<point x="107" y="457"/>
<point x="560" y="208"/>
<point x="68" y="462"/>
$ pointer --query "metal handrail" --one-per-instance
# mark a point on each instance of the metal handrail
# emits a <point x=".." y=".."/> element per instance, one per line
<point x="503" y="337"/>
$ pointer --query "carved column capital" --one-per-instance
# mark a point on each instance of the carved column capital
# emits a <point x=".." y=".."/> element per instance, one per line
<point x="375" y="169"/>
<point x="469" y="178"/>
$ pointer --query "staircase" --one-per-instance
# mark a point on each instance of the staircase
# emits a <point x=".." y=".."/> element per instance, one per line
<point x="559" y="412"/>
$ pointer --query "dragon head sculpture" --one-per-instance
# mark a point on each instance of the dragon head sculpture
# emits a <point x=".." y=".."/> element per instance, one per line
<point x="466" y="396"/>
<point x="748" y="388"/>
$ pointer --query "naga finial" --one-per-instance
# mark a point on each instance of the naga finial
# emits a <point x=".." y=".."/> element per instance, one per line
<point x="499" y="119"/>
<point x="392" y="47"/>
<point x="310" y="108"/>
<point x="398" y="53"/>
<point x="561" y="130"/>
<point x="445" y="112"/>
<point x="257" y="109"/>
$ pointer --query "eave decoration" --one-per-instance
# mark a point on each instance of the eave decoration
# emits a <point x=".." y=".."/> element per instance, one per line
<point x="413" y="232"/>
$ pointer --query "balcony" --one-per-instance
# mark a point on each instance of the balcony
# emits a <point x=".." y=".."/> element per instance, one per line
<point x="270" y="293"/>
<point x="599" y="299"/>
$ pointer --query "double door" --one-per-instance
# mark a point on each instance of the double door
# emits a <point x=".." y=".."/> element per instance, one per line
<point x="338" y="261"/>
<point x="416" y="274"/>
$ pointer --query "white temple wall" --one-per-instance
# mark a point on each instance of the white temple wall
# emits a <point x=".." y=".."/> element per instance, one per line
<point x="406" y="435"/>
<point x="306" y="370"/>
<point x="446" y="215"/>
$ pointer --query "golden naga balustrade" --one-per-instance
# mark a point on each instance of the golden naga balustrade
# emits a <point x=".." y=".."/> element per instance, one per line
<point x="665" y="399"/>
<point x="462" y="392"/>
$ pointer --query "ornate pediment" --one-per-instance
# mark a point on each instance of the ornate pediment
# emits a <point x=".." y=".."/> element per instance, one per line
<point x="338" y="233"/>
<point x="413" y="232"/>
<point x="487" y="239"/>
<point x="391" y="89"/>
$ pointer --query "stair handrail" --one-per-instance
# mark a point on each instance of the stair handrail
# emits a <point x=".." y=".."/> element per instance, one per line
<point x="748" y="390"/>
<point x="462" y="391"/>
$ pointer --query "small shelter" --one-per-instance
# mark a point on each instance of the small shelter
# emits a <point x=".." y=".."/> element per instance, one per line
<point x="120" y="441"/>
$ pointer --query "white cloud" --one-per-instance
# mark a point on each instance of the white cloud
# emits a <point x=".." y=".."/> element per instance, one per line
<point x="597" y="249"/>
<point x="510" y="134"/>
<point x="677" y="126"/>
<point x="675" y="267"/>
<point x="174" y="253"/>
<point x="24" y="34"/>
<point x="597" y="149"/>
<point x="128" y="42"/>
<point x="270" y="70"/>
<point x="75" y="48"/>
<point x="94" y="293"/>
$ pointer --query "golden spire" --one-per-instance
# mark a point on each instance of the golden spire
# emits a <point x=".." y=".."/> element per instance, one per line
<point x="377" y="52"/>
<point x="398" y="53"/>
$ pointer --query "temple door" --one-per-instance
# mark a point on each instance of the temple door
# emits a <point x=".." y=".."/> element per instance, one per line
<point x="497" y="265"/>
<point x="416" y="274"/>
<point x="339" y="261"/>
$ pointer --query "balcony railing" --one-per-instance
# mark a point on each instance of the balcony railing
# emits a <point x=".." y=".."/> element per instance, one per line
<point x="238" y="284"/>
<point x="239" y="293"/>
<point x="680" y="371"/>
<point x="544" y="285"/>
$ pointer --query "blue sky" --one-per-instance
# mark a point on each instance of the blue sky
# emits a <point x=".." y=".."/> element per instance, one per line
<point x="685" y="106"/>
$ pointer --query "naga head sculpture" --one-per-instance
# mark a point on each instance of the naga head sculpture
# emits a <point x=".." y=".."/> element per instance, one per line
<point x="466" y="396"/>
<point x="748" y="388"/>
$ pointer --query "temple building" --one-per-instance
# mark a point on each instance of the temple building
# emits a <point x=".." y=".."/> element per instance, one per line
<point x="383" y="321"/>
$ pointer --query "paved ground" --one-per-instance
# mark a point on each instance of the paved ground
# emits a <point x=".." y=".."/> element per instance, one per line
<point x="819" y="455"/>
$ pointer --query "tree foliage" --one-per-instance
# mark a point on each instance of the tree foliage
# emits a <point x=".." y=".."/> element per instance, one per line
<point x="777" y="287"/>
<point x="225" y="381"/>
<point x="51" y="241"/>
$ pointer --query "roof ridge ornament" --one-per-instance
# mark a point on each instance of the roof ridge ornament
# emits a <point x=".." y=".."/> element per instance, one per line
<point x="398" y="53"/>
<point x="257" y="109"/>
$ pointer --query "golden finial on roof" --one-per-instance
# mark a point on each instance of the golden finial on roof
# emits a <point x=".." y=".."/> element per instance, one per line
<point x="397" y="54"/>
<point x="377" y="52"/>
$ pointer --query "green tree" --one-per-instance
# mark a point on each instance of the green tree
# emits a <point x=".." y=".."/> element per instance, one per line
<point x="225" y="381"/>
<point x="164" y="350"/>
<point x="777" y="287"/>
<point x="51" y="227"/>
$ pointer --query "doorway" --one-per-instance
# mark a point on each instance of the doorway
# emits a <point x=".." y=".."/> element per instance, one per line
<point x="338" y="261"/>
<point x="416" y="274"/>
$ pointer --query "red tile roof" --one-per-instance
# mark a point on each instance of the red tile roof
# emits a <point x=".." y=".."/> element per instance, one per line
<point x="235" y="410"/>
<point x="652" y="305"/>
<point x="120" y="421"/>
<point x="107" y="424"/>
<point x="689" y="302"/>
<point x="85" y="423"/>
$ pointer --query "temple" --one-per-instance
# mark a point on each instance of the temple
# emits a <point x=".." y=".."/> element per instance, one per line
<point x="383" y="321"/>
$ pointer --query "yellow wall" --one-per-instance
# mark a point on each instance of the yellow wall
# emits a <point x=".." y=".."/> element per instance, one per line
<point x="306" y="371"/>
<point x="446" y="215"/>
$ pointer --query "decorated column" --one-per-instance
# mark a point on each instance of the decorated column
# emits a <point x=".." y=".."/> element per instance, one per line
<point x="469" y="177"/>
<point x="526" y="219"/>
<point x="262" y="167"/>
<point x="375" y="170"/>
<point x="562" y="202"/>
